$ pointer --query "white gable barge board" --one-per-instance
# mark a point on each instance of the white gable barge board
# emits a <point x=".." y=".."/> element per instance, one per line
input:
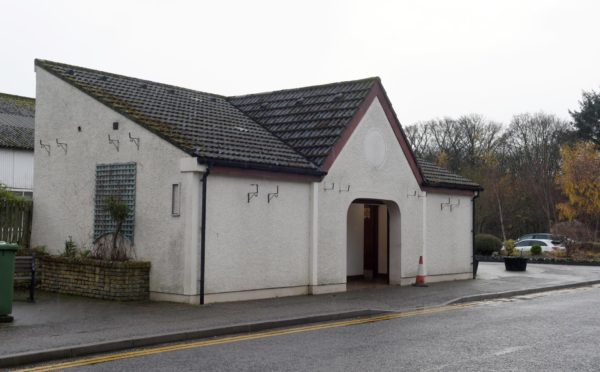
<point x="64" y="196"/>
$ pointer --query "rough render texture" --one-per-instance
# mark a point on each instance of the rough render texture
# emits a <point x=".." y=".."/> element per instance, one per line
<point x="256" y="245"/>
<point x="391" y="181"/>
<point x="446" y="242"/>
<point x="250" y="246"/>
<point x="64" y="194"/>
<point x="448" y="235"/>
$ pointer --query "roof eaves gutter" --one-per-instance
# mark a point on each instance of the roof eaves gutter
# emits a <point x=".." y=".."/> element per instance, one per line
<point x="260" y="167"/>
<point x="453" y="186"/>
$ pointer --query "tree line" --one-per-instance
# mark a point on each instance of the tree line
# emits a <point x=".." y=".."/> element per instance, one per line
<point x="540" y="173"/>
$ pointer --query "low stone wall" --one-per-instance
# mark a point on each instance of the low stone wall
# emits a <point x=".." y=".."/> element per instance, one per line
<point x="122" y="281"/>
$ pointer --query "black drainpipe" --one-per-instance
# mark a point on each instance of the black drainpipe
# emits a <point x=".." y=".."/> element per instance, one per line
<point x="202" y="237"/>
<point x="473" y="237"/>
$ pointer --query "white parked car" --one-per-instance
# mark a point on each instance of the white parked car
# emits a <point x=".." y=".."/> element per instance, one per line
<point x="540" y="236"/>
<point x="546" y="244"/>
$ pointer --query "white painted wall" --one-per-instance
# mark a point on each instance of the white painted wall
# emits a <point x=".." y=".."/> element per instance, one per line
<point x="373" y="164"/>
<point x="16" y="169"/>
<point x="250" y="247"/>
<point x="65" y="183"/>
<point x="449" y="237"/>
<point x="355" y="238"/>
<point x="256" y="245"/>
<point x="360" y="165"/>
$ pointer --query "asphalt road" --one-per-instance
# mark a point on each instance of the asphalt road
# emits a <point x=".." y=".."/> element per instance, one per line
<point x="554" y="331"/>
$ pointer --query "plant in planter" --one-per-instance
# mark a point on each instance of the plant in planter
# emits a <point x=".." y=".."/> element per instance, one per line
<point x="514" y="260"/>
<point x="114" y="246"/>
<point x="104" y="272"/>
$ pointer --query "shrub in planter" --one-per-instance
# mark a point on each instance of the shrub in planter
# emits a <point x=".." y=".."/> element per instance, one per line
<point x="515" y="263"/>
<point x="536" y="250"/>
<point x="486" y="244"/>
<point x="509" y="248"/>
<point x="114" y="246"/>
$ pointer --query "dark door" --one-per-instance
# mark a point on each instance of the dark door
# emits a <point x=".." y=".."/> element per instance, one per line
<point x="371" y="229"/>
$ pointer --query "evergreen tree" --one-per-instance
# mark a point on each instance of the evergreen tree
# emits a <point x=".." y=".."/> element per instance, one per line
<point x="587" y="119"/>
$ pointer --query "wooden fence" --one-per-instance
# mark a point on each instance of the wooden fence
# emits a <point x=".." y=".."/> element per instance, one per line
<point x="15" y="221"/>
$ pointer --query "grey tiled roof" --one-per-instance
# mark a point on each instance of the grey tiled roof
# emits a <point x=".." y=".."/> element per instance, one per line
<point x="288" y="130"/>
<point x="17" y="121"/>
<point x="16" y="137"/>
<point x="436" y="176"/>
<point x="202" y="124"/>
<point x="309" y="119"/>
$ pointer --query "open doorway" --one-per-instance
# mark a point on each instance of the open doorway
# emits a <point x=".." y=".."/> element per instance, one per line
<point x="368" y="253"/>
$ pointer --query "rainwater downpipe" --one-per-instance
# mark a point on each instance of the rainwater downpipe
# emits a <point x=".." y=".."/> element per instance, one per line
<point x="203" y="235"/>
<point x="473" y="232"/>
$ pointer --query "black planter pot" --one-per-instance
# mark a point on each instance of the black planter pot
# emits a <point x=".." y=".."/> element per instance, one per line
<point x="515" y="263"/>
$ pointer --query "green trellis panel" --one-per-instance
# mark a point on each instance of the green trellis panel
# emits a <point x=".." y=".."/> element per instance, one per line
<point x="117" y="179"/>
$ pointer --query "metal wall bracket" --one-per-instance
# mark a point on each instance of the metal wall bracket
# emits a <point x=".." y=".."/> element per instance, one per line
<point x="272" y="195"/>
<point x="253" y="194"/>
<point x="326" y="188"/>
<point x="135" y="140"/>
<point x="114" y="142"/>
<point x="45" y="147"/>
<point x="346" y="189"/>
<point x="62" y="145"/>
<point x="450" y="205"/>
<point x="414" y="194"/>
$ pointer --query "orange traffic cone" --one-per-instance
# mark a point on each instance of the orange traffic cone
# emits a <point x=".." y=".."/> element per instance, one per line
<point x="420" y="280"/>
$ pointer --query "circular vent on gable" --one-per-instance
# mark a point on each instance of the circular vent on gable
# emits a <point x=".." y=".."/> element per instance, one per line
<point x="375" y="148"/>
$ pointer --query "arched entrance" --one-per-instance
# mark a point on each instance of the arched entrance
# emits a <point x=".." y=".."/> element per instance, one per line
<point x="373" y="243"/>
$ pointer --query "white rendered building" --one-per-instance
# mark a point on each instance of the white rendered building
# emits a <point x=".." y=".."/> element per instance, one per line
<point x="281" y="193"/>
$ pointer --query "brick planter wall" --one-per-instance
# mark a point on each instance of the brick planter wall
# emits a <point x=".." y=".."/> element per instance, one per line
<point x="122" y="281"/>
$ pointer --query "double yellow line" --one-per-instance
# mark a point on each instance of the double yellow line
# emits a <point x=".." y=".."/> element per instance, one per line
<point x="245" y="337"/>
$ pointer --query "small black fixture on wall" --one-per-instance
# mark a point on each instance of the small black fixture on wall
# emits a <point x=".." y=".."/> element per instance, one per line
<point x="326" y="188"/>
<point x="272" y="195"/>
<point x="253" y="194"/>
<point x="135" y="140"/>
<point x="62" y="145"/>
<point x="114" y="142"/>
<point x="45" y="147"/>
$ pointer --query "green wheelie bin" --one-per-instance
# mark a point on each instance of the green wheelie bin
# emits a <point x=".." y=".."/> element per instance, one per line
<point x="7" y="272"/>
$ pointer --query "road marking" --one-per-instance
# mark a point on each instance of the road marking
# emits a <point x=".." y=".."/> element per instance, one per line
<point x="245" y="337"/>
<point x="509" y="350"/>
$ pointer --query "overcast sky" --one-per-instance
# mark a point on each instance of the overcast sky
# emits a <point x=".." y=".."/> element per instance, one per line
<point x="435" y="58"/>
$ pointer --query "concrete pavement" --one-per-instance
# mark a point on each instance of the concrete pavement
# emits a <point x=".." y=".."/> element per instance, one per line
<point x="524" y="333"/>
<point x="60" y="326"/>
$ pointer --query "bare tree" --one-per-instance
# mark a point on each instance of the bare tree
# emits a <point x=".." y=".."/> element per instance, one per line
<point x="533" y="146"/>
<point x="418" y="138"/>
